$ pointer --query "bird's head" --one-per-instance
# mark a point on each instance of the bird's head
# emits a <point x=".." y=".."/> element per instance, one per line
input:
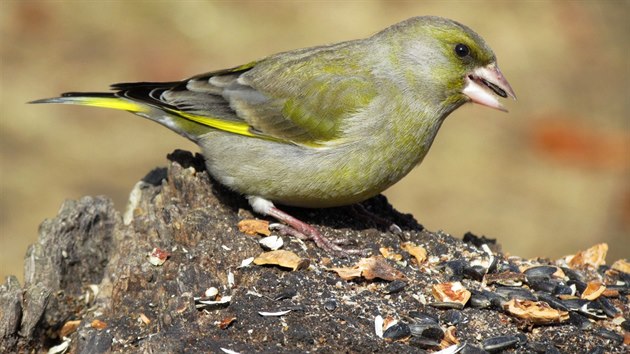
<point x="451" y="60"/>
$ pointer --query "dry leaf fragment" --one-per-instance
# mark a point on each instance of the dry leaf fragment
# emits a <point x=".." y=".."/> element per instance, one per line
<point x="226" y="322"/>
<point x="370" y="268"/>
<point x="326" y="262"/>
<point x="451" y="292"/>
<point x="348" y="273"/>
<point x="389" y="253"/>
<point x="282" y="258"/>
<point x="418" y="252"/>
<point x="593" y="290"/>
<point x="144" y="319"/>
<point x="621" y="265"/>
<point x="377" y="267"/>
<point x="98" y="324"/>
<point x="610" y="293"/>
<point x="254" y="226"/>
<point x="68" y="328"/>
<point x="536" y="312"/>
<point x="567" y="297"/>
<point x="592" y="257"/>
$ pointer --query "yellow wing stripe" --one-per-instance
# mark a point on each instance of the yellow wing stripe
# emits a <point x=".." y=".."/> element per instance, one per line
<point x="234" y="127"/>
<point x="228" y="126"/>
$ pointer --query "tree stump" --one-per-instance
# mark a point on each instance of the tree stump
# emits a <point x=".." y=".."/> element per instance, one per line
<point x="91" y="286"/>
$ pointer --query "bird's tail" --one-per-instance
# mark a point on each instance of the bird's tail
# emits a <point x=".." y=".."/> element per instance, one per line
<point x="163" y="115"/>
<point x="97" y="99"/>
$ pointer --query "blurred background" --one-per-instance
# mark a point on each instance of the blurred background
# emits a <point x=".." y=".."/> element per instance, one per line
<point x="547" y="179"/>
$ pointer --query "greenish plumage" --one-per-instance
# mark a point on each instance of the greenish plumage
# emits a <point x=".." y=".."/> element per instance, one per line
<point x="323" y="126"/>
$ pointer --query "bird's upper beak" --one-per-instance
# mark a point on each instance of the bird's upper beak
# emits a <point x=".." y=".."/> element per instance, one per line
<point x="484" y="84"/>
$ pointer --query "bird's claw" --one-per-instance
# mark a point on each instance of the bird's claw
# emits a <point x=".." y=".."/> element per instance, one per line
<point x="321" y="241"/>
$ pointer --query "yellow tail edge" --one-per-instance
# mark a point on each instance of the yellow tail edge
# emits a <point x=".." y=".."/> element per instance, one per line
<point x="97" y="101"/>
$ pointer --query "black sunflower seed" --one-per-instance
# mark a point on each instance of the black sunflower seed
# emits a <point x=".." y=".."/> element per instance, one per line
<point x="580" y="321"/>
<point x="397" y="331"/>
<point x="613" y="336"/>
<point x="395" y="286"/>
<point x="515" y="293"/>
<point x="562" y="289"/>
<point x="452" y="317"/>
<point x="424" y="343"/>
<point x="427" y="330"/>
<point x="423" y="317"/>
<point x="552" y="301"/>
<point x="479" y="300"/>
<point x="499" y="343"/>
<point x="447" y="305"/>
<point x="471" y="349"/>
<point x="609" y="309"/>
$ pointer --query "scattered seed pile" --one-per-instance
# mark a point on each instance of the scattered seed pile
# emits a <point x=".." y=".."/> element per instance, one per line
<point x="188" y="268"/>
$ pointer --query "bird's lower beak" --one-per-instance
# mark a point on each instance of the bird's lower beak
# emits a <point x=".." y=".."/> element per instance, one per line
<point x="484" y="84"/>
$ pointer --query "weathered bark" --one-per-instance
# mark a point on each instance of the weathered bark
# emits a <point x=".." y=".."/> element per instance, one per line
<point x="147" y="308"/>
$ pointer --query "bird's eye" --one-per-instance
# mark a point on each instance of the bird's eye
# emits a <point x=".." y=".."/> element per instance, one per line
<point x="462" y="50"/>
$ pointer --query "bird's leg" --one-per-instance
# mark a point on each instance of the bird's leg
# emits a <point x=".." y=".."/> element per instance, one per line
<point x="289" y="231"/>
<point x="296" y="227"/>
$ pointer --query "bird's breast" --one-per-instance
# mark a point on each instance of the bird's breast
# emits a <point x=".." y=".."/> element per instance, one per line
<point x="337" y="175"/>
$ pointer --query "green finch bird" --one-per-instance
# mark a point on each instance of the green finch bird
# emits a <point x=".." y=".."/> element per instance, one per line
<point x="324" y="126"/>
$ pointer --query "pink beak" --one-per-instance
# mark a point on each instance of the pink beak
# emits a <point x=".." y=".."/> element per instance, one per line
<point x="484" y="84"/>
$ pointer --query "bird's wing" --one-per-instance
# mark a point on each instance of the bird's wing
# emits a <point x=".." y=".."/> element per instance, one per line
<point x="294" y="101"/>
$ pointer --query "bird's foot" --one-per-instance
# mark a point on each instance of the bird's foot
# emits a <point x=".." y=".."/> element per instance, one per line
<point x="299" y="229"/>
<point x="289" y="231"/>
